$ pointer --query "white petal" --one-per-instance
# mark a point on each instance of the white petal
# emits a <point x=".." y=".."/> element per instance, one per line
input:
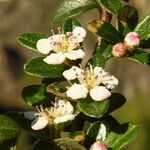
<point x="39" y="123"/>
<point x="110" y="81"/>
<point x="64" y="118"/>
<point x="43" y="46"/>
<point x="75" y="54"/>
<point x="102" y="133"/>
<point x="72" y="73"/>
<point x="55" y="59"/>
<point x="31" y="115"/>
<point x="98" y="70"/>
<point x="77" y="91"/>
<point x="79" y="33"/>
<point x="99" y="93"/>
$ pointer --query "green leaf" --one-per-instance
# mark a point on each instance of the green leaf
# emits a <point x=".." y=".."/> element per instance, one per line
<point x="29" y="40"/>
<point x="93" y="108"/>
<point x="68" y="144"/>
<point x="37" y="67"/>
<point x="26" y="125"/>
<point x="8" y="128"/>
<point x="112" y="6"/>
<point x="70" y="24"/>
<point x="77" y="135"/>
<point x="116" y="101"/>
<point x="98" y="60"/>
<point x="145" y="44"/>
<point x="127" y="19"/>
<point x="140" y="56"/>
<point x="92" y="133"/>
<point x="143" y="28"/>
<point x="36" y="95"/>
<point x="123" y="134"/>
<point x="105" y="30"/>
<point x="71" y="8"/>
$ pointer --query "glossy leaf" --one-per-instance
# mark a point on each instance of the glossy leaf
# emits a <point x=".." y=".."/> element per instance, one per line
<point x="105" y="30"/>
<point x="68" y="144"/>
<point x="37" y="67"/>
<point x="123" y="134"/>
<point x="93" y="108"/>
<point x="127" y="19"/>
<point x="29" y="40"/>
<point x="143" y="28"/>
<point x="71" y="8"/>
<point x="116" y="101"/>
<point x="70" y="24"/>
<point x="140" y="56"/>
<point x="8" y="128"/>
<point x="112" y="6"/>
<point x="36" y="95"/>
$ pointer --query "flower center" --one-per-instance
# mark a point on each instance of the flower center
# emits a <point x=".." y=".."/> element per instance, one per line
<point x="89" y="78"/>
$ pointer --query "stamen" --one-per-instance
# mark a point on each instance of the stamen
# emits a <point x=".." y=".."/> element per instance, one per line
<point x="52" y="32"/>
<point x="59" y="30"/>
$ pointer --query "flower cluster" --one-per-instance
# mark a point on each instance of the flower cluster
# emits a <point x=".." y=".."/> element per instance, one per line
<point x="131" y="41"/>
<point x="62" y="111"/>
<point x="94" y="81"/>
<point x="62" y="46"/>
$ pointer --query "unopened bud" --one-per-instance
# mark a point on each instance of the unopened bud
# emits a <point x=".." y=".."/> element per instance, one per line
<point x="131" y="41"/>
<point x="119" y="50"/>
<point x="98" y="146"/>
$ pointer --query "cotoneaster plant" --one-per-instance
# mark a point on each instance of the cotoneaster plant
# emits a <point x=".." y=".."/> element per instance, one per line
<point x="72" y="104"/>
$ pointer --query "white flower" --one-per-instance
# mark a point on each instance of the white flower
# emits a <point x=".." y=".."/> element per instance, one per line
<point x="61" y="112"/>
<point x="95" y="81"/>
<point x="62" y="46"/>
<point x="102" y="133"/>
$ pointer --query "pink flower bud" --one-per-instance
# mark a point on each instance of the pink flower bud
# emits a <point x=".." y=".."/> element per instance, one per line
<point x="132" y="40"/>
<point x="119" y="50"/>
<point x="98" y="146"/>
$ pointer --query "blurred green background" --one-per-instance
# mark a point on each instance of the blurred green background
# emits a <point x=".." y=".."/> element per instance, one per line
<point x="20" y="16"/>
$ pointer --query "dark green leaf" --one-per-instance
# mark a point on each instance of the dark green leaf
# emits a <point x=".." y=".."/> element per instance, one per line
<point x="44" y="145"/>
<point x="29" y="40"/>
<point x="26" y="125"/>
<point x="116" y="101"/>
<point x="112" y="6"/>
<point x="68" y="144"/>
<point x="105" y="30"/>
<point x="37" y="67"/>
<point x="143" y="28"/>
<point x="127" y="19"/>
<point x="145" y="44"/>
<point x="70" y="24"/>
<point x="93" y="108"/>
<point x="93" y="131"/>
<point x="8" y="145"/>
<point x="123" y="134"/>
<point x="70" y="8"/>
<point x="8" y="128"/>
<point x="36" y="95"/>
<point x="98" y="60"/>
<point x="140" y="56"/>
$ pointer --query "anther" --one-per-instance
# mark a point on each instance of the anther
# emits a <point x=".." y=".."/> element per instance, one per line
<point x="52" y="32"/>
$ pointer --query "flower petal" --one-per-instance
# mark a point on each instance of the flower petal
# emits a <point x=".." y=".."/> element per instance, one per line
<point x="79" y="33"/>
<point x="31" y="115"/>
<point x="77" y="91"/>
<point x="55" y="59"/>
<point x="72" y="73"/>
<point x="75" y="54"/>
<point x="43" y="46"/>
<point x="99" y="93"/>
<point x="39" y="123"/>
<point x="64" y="118"/>
<point x="110" y="81"/>
<point x="101" y="133"/>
